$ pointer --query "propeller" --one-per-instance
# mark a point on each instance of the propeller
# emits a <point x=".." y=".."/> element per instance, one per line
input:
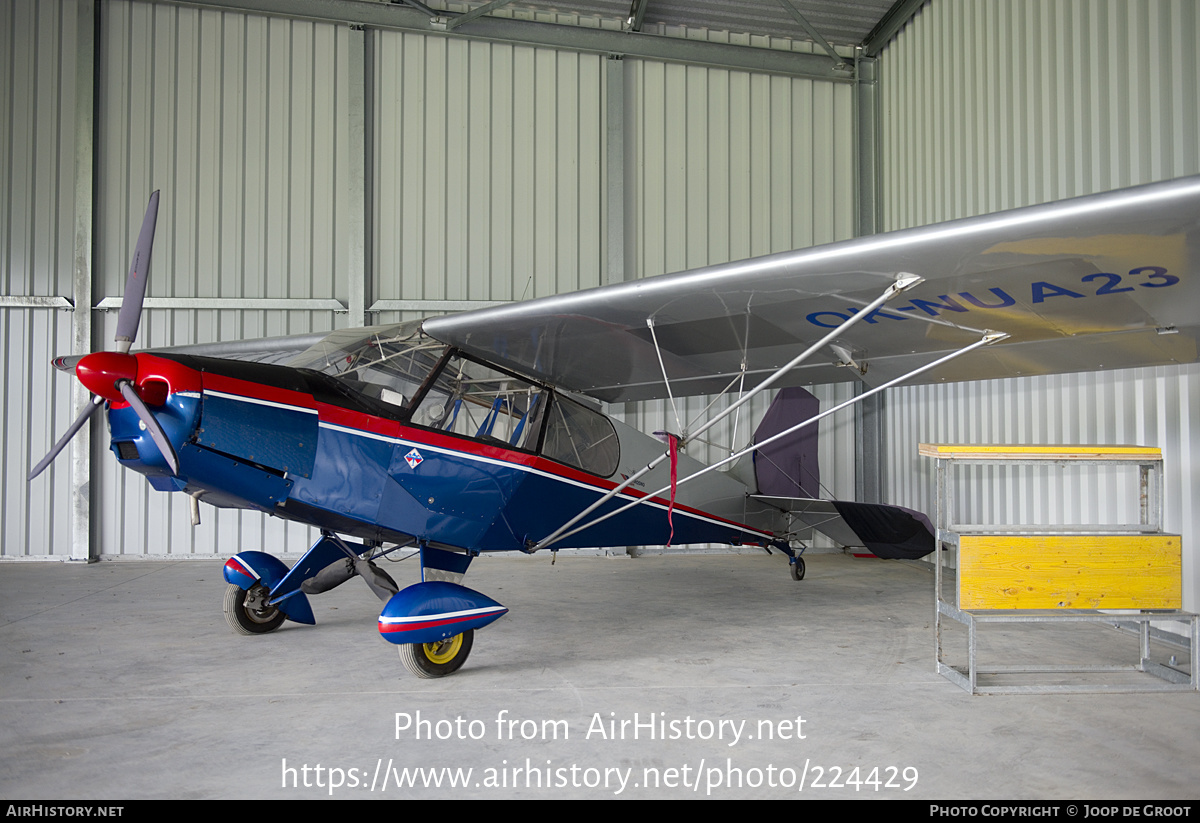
<point x="113" y="375"/>
<point x="96" y="400"/>
<point x="135" y="285"/>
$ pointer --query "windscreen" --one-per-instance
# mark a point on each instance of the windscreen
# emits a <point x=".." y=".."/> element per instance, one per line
<point x="387" y="363"/>
<point x="467" y="398"/>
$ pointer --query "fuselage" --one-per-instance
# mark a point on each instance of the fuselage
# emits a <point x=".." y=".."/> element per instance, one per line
<point x="452" y="453"/>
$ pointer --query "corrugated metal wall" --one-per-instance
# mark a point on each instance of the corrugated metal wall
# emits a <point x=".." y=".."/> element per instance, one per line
<point x="241" y="121"/>
<point x="731" y="165"/>
<point x="486" y="177"/>
<point x="991" y="106"/>
<point x="37" y="216"/>
<point x="491" y="182"/>
<point x="488" y="158"/>
<point x="994" y="106"/>
<point x="488" y="183"/>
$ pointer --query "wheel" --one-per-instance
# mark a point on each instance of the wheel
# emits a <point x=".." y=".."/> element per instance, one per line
<point x="797" y="569"/>
<point x="437" y="659"/>
<point x="247" y="612"/>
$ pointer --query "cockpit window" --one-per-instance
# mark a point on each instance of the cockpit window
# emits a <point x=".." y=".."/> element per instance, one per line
<point x="385" y="363"/>
<point x="477" y="401"/>
<point x="581" y="437"/>
<point x="480" y="402"/>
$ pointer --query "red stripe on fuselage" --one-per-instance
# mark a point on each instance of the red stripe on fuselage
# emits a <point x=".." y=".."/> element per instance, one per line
<point x="383" y="427"/>
<point x="258" y="391"/>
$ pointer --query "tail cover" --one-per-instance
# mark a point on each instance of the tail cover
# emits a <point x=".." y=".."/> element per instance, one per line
<point x="788" y="467"/>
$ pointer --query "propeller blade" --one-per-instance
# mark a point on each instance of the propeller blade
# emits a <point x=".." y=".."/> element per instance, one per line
<point x="67" y="362"/>
<point x="135" y="285"/>
<point x="152" y="425"/>
<point x="95" y="403"/>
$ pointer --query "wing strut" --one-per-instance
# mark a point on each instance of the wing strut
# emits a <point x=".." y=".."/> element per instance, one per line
<point x="666" y="380"/>
<point x="562" y="533"/>
<point x="903" y="282"/>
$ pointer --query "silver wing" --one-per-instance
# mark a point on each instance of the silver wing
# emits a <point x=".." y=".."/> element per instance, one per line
<point x="1097" y="282"/>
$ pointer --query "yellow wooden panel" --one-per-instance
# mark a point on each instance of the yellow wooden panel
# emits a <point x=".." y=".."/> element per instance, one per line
<point x="1139" y="571"/>
<point x="1015" y="451"/>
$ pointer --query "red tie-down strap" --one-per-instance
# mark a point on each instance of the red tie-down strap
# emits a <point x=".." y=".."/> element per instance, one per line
<point x="672" y="442"/>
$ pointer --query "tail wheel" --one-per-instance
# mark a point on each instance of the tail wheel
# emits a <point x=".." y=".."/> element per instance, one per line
<point x="247" y="612"/>
<point x="437" y="659"/>
<point x="797" y="569"/>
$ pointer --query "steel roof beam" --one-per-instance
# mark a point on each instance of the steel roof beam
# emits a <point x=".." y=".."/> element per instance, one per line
<point x="478" y="11"/>
<point x="838" y="60"/>
<point x="421" y="7"/>
<point x="550" y="35"/>
<point x="637" y="12"/>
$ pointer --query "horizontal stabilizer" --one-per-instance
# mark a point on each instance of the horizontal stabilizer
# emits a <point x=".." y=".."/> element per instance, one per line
<point x="890" y="532"/>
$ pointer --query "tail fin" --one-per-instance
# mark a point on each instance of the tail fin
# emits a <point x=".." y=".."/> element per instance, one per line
<point x="788" y="467"/>
<point x="789" y="478"/>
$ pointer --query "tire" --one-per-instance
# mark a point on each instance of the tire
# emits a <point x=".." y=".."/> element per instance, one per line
<point x="246" y="611"/>
<point x="437" y="659"/>
<point x="797" y="569"/>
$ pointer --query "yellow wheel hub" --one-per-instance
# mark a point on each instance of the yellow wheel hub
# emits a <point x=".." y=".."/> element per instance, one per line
<point x="444" y="650"/>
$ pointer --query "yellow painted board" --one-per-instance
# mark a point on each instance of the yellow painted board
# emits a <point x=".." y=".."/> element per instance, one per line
<point x="1129" y="571"/>
<point x="1017" y="451"/>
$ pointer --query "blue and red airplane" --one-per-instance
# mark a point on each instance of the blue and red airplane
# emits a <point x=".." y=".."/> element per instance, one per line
<point x="483" y="431"/>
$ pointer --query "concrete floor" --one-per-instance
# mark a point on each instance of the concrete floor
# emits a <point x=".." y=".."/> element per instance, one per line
<point x="121" y="680"/>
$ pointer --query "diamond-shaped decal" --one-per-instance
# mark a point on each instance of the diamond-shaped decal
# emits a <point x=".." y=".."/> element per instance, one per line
<point x="413" y="458"/>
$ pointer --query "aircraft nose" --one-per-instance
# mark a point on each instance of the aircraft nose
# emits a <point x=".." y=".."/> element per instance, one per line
<point x="102" y="372"/>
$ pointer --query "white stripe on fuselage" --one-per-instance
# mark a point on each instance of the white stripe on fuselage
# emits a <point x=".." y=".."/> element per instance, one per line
<point x="425" y="447"/>
<point x="258" y="402"/>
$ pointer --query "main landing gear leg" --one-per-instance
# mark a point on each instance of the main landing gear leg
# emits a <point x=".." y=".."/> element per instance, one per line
<point x="264" y="592"/>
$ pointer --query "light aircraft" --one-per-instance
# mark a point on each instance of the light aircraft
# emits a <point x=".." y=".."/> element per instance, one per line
<point x="483" y="431"/>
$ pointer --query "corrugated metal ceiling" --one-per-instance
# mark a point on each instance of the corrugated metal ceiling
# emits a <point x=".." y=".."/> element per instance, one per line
<point x="841" y="23"/>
